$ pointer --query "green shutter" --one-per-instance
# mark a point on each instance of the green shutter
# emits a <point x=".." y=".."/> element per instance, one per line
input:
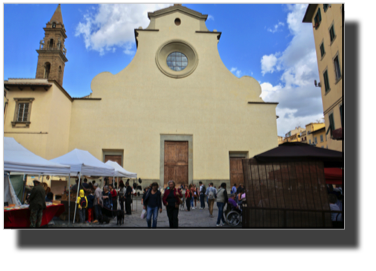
<point x="326" y="81"/>
<point x="319" y="12"/>
<point x="341" y="113"/>
<point x="331" y="121"/>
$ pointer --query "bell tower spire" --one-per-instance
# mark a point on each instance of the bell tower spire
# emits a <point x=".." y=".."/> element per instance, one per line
<point x="52" y="51"/>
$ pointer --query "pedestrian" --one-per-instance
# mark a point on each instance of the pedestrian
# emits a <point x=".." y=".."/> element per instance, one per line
<point x="211" y="194"/>
<point x="239" y="189"/>
<point x="82" y="204"/>
<point x="171" y="199"/>
<point x="233" y="190"/>
<point x="37" y="204"/>
<point x="90" y="206"/>
<point x="121" y="195"/>
<point x="193" y="194"/>
<point x="196" y="193"/>
<point x="97" y="202"/>
<point x="107" y="202"/>
<point x="128" y="199"/>
<point x="152" y="203"/>
<point x="188" y="197"/>
<point x="202" y="195"/>
<point x="113" y="199"/>
<point x="221" y="201"/>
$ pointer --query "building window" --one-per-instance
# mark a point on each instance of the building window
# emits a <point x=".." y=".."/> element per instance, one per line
<point x="53" y="25"/>
<point x="331" y="124"/>
<point x="321" y="138"/>
<point x="47" y="68"/>
<point x="310" y="142"/>
<point x="177" y="61"/>
<point x="337" y="68"/>
<point x="318" y="18"/>
<point x="326" y="81"/>
<point x="332" y="34"/>
<point x="341" y="114"/>
<point x="315" y="139"/>
<point x="22" y="111"/>
<point x="322" y="50"/>
<point x="325" y="7"/>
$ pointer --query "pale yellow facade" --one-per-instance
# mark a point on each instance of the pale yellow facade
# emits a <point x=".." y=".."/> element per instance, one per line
<point x="132" y="112"/>
<point x="315" y="133"/>
<point x="331" y="17"/>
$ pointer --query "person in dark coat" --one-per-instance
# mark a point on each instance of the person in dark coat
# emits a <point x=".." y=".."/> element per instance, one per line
<point x="152" y="203"/>
<point x="128" y="199"/>
<point x="171" y="199"/>
<point x="37" y="204"/>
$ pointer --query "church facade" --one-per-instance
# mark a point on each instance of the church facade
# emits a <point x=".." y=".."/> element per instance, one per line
<point x="174" y="113"/>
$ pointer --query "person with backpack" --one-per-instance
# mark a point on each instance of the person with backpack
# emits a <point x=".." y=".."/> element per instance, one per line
<point x="82" y="205"/>
<point x="90" y="206"/>
<point x="202" y="195"/>
<point x="211" y="193"/>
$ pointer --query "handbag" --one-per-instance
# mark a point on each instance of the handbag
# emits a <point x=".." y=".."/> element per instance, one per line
<point x="143" y="214"/>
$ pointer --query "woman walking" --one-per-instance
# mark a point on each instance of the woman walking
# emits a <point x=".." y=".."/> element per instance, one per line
<point x="171" y="199"/>
<point x="153" y="203"/>
<point x="188" y="197"/>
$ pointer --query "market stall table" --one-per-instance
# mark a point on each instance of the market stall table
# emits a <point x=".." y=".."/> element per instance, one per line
<point x="20" y="218"/>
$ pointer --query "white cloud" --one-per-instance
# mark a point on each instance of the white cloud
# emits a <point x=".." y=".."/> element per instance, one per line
<point x="275" y="28"/>
<point x="210" y="17"/>
<point x="237" y="72"/>
<point x="299" y="100"/>
<point x="268" y="63"/>
<point x="112" y="25"/>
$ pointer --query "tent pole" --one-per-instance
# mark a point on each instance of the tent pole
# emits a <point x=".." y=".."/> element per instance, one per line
<point x="23" y="190"/>
<point x="69" y="199"/>
<point x="75" y="206"/>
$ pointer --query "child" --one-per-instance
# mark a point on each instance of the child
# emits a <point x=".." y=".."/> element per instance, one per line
<point x="82" y="205"/>
<point x="90" y="206"/>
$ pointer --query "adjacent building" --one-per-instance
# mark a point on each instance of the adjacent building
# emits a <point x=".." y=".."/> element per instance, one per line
<point x="327" y="21"/>
<point x="174" y="113"/>
<point x="315" y="133"/>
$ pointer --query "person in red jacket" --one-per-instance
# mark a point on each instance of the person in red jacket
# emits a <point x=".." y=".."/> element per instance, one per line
<point x="171" y="199"/>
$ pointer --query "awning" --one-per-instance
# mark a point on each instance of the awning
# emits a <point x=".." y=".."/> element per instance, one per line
<point x="333" y="175"/>
<point x="337" y="134"/>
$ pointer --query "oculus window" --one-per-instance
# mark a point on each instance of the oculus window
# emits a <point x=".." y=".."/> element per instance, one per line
<point x="177" y="61"/>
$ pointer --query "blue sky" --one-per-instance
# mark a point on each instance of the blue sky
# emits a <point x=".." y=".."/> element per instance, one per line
<point x="266" y="41"/>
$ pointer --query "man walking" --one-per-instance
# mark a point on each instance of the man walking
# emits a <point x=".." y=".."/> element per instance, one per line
<point x="202" y="195"/>
<point x="37" y="204"/>
<point x="211" y="193"/>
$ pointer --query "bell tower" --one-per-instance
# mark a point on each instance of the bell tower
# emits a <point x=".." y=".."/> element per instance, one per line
<point x="52" y="51"/>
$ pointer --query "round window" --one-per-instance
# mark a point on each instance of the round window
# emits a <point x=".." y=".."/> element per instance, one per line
<point x="177" y="61"/>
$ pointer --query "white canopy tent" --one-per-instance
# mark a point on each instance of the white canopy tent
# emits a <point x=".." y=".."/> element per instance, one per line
<point x="120" y="171"/>
<point x="83" y="163"/>
<point x="19" y="159"/>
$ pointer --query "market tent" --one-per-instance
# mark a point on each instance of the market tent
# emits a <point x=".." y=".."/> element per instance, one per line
<point x="296" y="152"/>
<point x="19" y="159"/>
<point x="9" y="194"/>
<point x="333" y="175"/>
<point x="17" y="182"/>
<point x="85" y="163"/>
<point x="120" y="172"/>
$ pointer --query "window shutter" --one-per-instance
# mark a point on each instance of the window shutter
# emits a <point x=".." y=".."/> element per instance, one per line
<point x="319" y="13"/>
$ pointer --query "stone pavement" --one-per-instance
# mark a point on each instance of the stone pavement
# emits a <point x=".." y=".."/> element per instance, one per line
<point x="196" y="218"/>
